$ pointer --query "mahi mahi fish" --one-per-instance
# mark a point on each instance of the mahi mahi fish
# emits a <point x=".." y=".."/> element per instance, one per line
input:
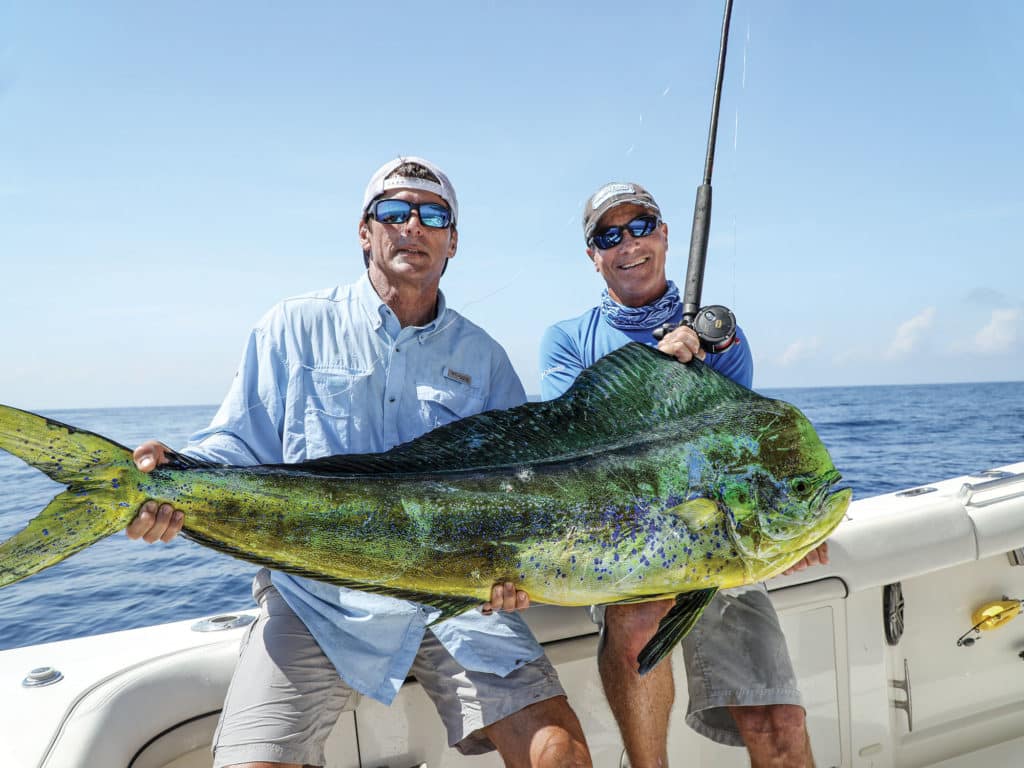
<point x="648" y="479"/>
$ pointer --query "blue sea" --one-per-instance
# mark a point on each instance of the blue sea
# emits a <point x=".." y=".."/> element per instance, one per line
<point x="881" y="438"/>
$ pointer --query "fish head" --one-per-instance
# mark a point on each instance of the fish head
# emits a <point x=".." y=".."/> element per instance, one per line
<point x="782" y="498"/>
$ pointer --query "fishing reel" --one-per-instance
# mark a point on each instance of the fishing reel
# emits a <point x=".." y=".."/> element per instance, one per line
<point x="990" y="616"/>
<point x="714" y="324"/>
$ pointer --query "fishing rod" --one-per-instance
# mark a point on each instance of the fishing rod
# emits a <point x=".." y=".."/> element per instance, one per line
<point x="715" y="324"/>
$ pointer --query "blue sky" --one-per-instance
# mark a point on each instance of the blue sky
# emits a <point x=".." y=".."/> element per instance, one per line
<point x="168" y="171"/>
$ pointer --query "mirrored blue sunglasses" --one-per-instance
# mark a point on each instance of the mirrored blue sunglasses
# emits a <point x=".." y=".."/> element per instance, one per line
<point x="392" y="211"/>
<point x="609" y="237"/>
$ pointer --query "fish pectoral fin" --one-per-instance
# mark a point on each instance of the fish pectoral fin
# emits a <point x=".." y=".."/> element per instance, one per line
<point x="696" y="513"/>
<point x="674" y="627"/>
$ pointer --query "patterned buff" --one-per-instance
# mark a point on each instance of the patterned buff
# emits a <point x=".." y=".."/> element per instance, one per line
<point x="640" y="318"/>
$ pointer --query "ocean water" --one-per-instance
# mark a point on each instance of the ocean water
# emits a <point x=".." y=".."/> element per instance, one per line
<point x="881" y="438"/>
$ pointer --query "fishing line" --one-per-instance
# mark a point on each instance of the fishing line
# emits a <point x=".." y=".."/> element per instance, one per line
<point x="634" y="142"/>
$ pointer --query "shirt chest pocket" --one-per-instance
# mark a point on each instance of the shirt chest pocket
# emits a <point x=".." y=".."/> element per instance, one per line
<point x="443" y="403"/>
<point x="333" y="418"/>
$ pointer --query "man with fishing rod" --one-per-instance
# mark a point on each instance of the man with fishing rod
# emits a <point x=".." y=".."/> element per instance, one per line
<point x="359" y="369"/>
<point x="742" y="688"/>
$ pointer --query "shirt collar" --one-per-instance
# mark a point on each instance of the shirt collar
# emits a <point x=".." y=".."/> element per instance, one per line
<point x="376" y="310"/>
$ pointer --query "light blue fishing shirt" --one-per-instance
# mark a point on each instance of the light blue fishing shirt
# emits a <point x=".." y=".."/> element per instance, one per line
<point x="568" y="347"/>
<point x="333" y="372"/>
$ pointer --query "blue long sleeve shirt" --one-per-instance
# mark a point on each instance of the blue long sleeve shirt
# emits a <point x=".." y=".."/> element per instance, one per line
<point x="573" y="345"/>
<point x="333" y="372"/>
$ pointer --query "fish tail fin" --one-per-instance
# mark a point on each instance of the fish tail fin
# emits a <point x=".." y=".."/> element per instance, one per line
<point x="92" y="507"/>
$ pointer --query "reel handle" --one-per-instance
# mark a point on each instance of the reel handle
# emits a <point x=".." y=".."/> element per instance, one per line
<point x="715" y="326"/>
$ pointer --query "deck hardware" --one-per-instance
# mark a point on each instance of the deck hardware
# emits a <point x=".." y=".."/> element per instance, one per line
<point x="1009" y="486"/>
<point x="223" y="621"/>
<point x="917" y="491"/>
<point x="905" y="705"/>
<point x="991" y="615"/>
<point x="892" y="607"/>
<point x="992" y="474"/>
<point x="41" y="676"/>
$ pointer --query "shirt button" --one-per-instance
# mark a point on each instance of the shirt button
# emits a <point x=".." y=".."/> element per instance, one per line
<point x="397" y="349"/>
<point x="391" y="399"/>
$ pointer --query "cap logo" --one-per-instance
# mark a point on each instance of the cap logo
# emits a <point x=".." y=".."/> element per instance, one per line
<point x="609" y="191"/>
<point x="405" y="182"/>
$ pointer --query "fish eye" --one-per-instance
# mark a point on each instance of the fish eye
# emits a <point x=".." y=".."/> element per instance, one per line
<point x="801" y="486"/>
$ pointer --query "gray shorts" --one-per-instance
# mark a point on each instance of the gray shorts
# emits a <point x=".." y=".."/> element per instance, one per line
<point x="285" y="695"/>
<point x="736" y="655"/>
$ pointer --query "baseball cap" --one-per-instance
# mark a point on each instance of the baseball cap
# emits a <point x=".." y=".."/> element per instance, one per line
<point x="611" y="196"/>
<point x="380" y="183"/>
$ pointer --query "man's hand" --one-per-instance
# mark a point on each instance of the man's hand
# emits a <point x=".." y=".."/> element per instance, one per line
<point x="817" y="556"/>
<point x="153" y="522"/>
<point x="682" y="344"/>
<point x="505" y="597"/>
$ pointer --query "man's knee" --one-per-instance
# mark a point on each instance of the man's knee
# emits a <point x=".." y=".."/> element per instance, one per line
<point x="772" y="718"/>
<point x="546" y="734"/>
<point x="628" y="628"/>
<point x="557" y="747"/>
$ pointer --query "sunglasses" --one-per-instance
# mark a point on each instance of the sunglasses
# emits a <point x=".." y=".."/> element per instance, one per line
<point x="392" y="211"/>
<point x="609" y="237"/>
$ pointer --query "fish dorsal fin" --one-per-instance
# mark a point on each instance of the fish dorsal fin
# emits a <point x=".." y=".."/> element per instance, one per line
<point x="675" y="625"/>
<point x="631" y="394"/>
<point x="177" y="460"/>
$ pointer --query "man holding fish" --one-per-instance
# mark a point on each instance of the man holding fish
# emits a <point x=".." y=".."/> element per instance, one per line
<point x="359" y="369"/>
<point x="741" y="682"/>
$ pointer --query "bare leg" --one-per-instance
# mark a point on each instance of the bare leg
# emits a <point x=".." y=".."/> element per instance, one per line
<point x="775" y="735"/>
<point x="641" y="705"/>
<point x="543" y="735"/>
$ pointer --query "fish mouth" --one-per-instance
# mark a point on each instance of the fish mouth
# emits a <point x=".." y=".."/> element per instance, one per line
<point x="826" y="490"/>
<point x="838" y="501"/>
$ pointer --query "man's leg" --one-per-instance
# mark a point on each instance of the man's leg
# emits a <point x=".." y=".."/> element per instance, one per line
<point x="285" y="695"/>
<point x="775" y="735"/>
<point x="641" y="705"/>
<point x="543" y="735"/>
<point x="742" y="686"/>
<point x="525" y="715"/>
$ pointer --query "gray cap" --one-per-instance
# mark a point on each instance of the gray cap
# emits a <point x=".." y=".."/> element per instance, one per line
<point x="380" y="183"/>
<point x="611" y="196"/>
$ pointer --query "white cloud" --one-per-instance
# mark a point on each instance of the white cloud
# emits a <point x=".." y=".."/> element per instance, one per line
<point x="1000" y="333"/>
<point x="801" y="349"/>
<point x="908" y="334"/>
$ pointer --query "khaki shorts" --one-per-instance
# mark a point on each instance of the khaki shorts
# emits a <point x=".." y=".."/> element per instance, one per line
<point x="736" y="655"/>
<point x="285" y="695"/>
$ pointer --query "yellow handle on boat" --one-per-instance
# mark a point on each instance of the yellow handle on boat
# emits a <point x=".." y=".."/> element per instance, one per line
<point x="995" y="614"/>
